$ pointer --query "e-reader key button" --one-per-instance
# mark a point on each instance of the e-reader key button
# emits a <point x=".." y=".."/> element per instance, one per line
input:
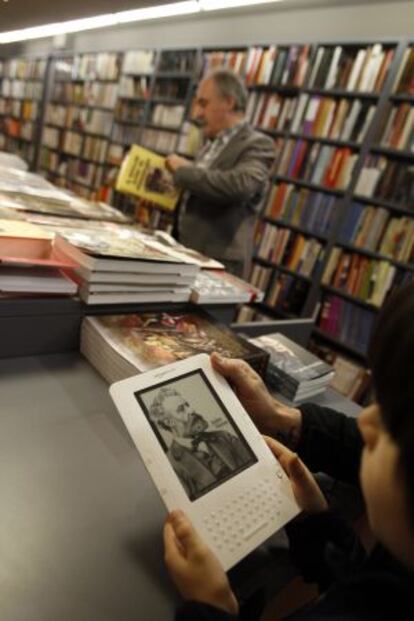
<point x="255" y="529"/>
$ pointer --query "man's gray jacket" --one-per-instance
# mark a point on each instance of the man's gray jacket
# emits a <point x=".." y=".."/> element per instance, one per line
<point x="225" y="197"/>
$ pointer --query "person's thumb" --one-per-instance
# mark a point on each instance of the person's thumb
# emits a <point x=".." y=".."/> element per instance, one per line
<point x="183" y="529"/>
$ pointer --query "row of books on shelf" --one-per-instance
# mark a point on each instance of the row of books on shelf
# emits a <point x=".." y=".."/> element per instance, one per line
<point x="288" y="249"/>
<point x="159" y="140"/>
<point x="91" y="93"/>
<point x="31" y="89"/>
<point x="277" y="66"/>
<point x="80" y="172"/>
<point x="167" y="116"/>
<point x="316" y="116"/>
<point x="310" y="210"/>
<point x="23" y="68"/>
<point x="129" y="111"/>
<point x="139" y="62"/>
<point x="337" y="119"/>
<point x="386" y="179"/>
<point x="367" y="279"/>
<point x="316" y="163"/>
<point x="351" y="68"/>
<point x="134" y="87"/>
<point x="16" y="128"/>
<point x="126" y="134"/>
<point x="346" y="322"/>
<point x="79" y="118"/>
<point x="374" y="229"/>
<point x="180" y="61"/>
<point x="76" y="144"/>
<point x="397" y="128"/>
<point x="26" y="110"/>
<point x="94" y="66"/>
<point x="171" y="88"/>
<point x="284" y="293"/>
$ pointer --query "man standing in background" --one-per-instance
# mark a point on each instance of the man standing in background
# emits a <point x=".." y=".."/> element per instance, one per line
<point x="226" y="185"/>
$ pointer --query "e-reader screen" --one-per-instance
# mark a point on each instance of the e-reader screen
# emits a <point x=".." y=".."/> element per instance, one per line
<point x="196" y="432"/>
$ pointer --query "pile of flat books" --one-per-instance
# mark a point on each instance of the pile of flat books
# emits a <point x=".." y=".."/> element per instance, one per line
<point x="24" y="192"/>
<point x="120" y="264"/>
<point x="120" y="346"/>
<point x="28" y="263"/>
<point x="294" y="372"/>
<point x="221" y="287"/>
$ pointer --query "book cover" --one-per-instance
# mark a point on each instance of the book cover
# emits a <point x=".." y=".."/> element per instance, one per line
<point x="116" y="249"/>
<point x="143" y="173"/>
<point x="150" y="339"/>
<point x="292" y="369"/>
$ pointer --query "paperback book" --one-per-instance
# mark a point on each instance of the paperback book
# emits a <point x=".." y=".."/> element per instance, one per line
<point x="293" y="371"/>
<point x="119" y="346"/>
<point x="143" y="173"/>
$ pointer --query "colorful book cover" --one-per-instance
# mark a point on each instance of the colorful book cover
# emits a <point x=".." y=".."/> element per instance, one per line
<point x="151" y="339"/>
<point x="143" y="173"/>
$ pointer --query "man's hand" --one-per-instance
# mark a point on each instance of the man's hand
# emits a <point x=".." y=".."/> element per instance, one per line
<point x="194" y="569"/>
<point x="305" y="489"/>
<point x="271" y="417"/>
<point x="174" y="162"/>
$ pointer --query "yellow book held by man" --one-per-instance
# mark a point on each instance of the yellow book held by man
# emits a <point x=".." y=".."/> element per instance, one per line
<point x="143" y="173"/>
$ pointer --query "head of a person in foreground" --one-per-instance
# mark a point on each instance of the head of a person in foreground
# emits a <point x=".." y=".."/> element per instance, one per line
<point x="387" y="428"/>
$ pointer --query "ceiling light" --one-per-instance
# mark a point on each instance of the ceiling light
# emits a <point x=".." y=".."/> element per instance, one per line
<point x="216" y="5"/>
<point x="186" y="7"/>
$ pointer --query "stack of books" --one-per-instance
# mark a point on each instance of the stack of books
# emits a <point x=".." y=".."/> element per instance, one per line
<point x="28" y="263"/>
<point x="293" y="371"/>
<point x="220" y="287"/>
<point x="121" y="264"/>
<point x="120" y="346"/>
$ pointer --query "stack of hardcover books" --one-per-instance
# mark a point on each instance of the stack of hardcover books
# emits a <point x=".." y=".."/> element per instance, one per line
<point x="120" y="346"/>
<point x="221" y="287"/>
<point x="121" y="264"/>
<point x="293" y="371"/>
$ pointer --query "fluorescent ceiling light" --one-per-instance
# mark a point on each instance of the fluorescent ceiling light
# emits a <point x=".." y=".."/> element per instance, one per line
<point x="50" y="30"/>
<point x="186" y="7"/>
<point x="156" y="12"/>
<point x="216" y="5"/>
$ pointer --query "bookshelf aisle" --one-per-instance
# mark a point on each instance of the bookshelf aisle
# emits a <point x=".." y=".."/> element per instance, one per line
<point x="336" y="233"/>
<point x="21" y="93"/>
<point x="78" y="120"/>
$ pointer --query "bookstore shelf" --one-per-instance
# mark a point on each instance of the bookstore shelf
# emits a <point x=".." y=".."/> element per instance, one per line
<point x="327" y="106"/>
<point x="372" y="200"/>
<point x="376" y="255"/>
<point x="282" y="268"/>
<point x="295" y="227"/>
<point x="310" y="186"/>
<point x="404" y="155"/>
<point x="349" y="297"/>
<point x="352" y="351"/>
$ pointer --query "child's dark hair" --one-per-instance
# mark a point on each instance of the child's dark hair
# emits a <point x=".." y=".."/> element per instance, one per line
<point x="391" y="359"/>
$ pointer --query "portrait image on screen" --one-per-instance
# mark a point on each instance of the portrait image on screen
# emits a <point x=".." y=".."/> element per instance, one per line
<point x="196" y="432"/>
